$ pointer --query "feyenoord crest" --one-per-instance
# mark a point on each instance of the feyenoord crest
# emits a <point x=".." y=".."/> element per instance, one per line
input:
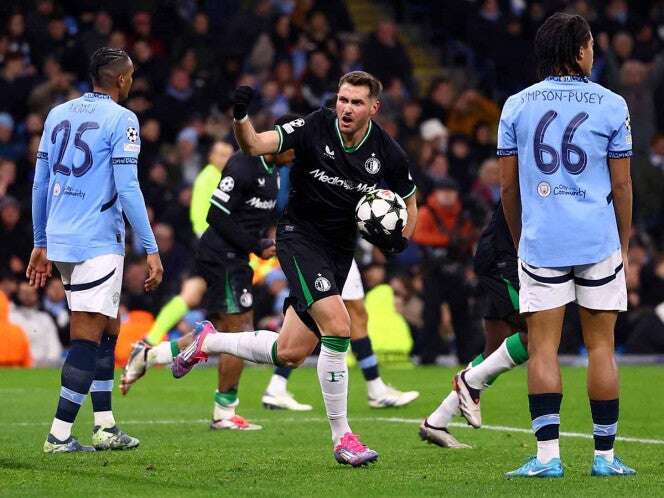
<point x="372" y="165"/>
<point x="246" y="299"/>
<point x="322" y="284"/>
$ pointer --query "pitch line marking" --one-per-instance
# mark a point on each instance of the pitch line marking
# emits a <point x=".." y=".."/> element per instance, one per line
<point x="394" y="420"/>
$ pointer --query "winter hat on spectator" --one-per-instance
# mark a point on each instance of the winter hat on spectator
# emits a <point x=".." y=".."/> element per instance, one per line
<point x="189" y="135"/>
<point x="432" y="129"/>
<point x="6" y="121"/>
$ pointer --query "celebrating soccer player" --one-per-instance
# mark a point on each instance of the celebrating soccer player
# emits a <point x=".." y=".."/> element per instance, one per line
<point x="340" y="156"/>
<point x="85" y="180"/>
<point x="564" y="146"/>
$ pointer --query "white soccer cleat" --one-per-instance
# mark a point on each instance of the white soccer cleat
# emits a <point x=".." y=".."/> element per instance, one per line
<point x="284" y="401"/>
<point x="469" y="400"/>
<point x="136" y="366"/>
<point x="234" y="423"/>
<point x="440" y="436"/>
<point x="393" y="397"/>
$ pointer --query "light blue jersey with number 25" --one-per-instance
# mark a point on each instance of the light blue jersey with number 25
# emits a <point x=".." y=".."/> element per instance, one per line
<point x="564" y="130"/>
<point x="86" y="178"/>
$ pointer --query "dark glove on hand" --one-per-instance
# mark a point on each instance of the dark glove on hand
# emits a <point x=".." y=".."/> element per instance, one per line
<point x="390" y="243"/>
<point x="241" y="98"/>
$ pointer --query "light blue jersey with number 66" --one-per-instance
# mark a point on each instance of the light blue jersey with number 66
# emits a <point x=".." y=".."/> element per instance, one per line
<point x="86" y="178"/>
<point x="564" y="130"/>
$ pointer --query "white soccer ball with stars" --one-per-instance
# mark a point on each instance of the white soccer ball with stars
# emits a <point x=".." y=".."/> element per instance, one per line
<point x="383" y="206"/>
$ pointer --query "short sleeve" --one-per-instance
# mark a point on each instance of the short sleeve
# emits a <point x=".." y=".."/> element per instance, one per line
<point x="620" y="144"/>
<point x="229" y="193"/>
<point x="507" y="145"/>
<point x="291" y="134"/>
<point x="126" y="140"/>
<point x="397" y="176"/>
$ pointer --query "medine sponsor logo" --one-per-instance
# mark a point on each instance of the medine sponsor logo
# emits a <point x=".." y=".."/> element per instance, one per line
<point x="261" y="204"/>
<point x="569" y="191"/>
<point x="342" y="182"/>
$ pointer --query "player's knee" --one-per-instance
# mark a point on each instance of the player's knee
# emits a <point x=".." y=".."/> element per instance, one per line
<point x="339" y="326"/>
<point x="291" y="357"/>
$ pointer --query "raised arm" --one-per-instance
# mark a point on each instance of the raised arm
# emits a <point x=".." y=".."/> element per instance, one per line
<point x="251" y="143"/>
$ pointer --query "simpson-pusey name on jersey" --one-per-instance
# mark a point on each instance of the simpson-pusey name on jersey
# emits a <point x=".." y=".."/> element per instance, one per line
<point x="320" y="175"/>
<point x="561" y="95"/>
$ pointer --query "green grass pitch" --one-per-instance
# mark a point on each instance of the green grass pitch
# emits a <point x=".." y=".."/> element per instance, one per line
<point x="180" y="456"/>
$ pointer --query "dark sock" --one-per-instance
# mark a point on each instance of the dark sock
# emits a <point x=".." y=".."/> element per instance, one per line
<point x="283" y="372"/>
<point x="102" y="385"/>
<point x="605" y="422"/>
<point x="77" y="375"/>
<point x="366" y="358"/>
<point x="545" y="414"/>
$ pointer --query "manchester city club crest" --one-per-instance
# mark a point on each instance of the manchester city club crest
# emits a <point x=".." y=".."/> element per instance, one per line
<point x="543" y="189"/>
<point x="372" y="165"/>
<point x="322" y="284"/>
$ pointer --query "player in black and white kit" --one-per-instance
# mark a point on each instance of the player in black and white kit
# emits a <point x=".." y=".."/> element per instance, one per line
<point x="242" y="208"/>
<point x="495" y="264"/>
<point x="340" y="156"/>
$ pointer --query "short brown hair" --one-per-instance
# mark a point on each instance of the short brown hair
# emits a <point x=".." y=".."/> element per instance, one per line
<point x="362" y="78"/>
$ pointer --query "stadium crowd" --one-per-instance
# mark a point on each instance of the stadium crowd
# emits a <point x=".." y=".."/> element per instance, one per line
<point x="189" y="56"/>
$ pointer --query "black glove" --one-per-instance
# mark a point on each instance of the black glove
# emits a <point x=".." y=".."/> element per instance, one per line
<point x="390" y="243"/>
<point x="241" y="98"/>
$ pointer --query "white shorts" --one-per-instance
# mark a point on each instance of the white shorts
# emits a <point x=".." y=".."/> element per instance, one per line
<point x="94" y="285"/>
<point x="353" y="289"/>
<point x="596" y="286"/>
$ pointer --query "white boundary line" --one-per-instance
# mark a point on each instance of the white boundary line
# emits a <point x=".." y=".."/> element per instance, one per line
<point x="394" y="420"/>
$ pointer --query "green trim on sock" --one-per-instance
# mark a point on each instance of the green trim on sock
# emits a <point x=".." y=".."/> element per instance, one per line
<point x="175" y="349"/>
<point x="477" y="360"/>
<point x="167" y="318"/>
<point x="513" y="293"/>
<point x="227" y="398"/>
<point x="275" y="358"/>
<point x="303" y="283"/>
<point x="338" y="344"/>
<point x="231" y="305"/>
<point x="516" y="349"/>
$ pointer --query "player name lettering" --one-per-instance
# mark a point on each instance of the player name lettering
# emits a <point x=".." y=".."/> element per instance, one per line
<point x="562" y="96"/>
<point x="342" y="182"/>
<point x="80" y="108"/>
<point x="261" y="204"/>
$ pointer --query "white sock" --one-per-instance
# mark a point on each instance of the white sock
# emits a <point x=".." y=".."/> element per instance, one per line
<point x="498" y="362"/>
<point x="252" y="346"/>
<point x="376" y="388"/>
<point x="224" y="412"/>
<point x="333" y="378"/>
<point x="607" y="454"/>
<point x="277" y="385"/>
<point x="161" y="354"/>
<point x="442" y="416"/>
<point x="60" y="429"/>
<point x="104" y="419"/>
<point x="548" y="450"/>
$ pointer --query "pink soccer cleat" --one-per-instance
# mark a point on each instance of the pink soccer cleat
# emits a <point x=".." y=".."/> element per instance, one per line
<point x="351" y="451"/>
<point x="193" y="353"/>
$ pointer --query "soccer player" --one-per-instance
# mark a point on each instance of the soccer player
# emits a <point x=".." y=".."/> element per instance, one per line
<point x="564" y="146"/>
<point x="85" y="181"/>
<point x="505" y="347"/>
<point x="340" y="156"/>
<point x="242" y="208"/>
<point x="380" y="395"/>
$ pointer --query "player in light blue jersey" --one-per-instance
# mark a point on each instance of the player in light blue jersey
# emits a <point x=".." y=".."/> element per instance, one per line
<point x="85" y="180"/>
<point x="564" y="146"/>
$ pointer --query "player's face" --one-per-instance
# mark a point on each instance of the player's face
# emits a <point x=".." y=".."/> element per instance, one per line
<point x="125" y="80"/>
<point x="586" y="56"/>
<point x="354" y="108"/>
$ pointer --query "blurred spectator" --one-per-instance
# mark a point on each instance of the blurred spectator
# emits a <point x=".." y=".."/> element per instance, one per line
<point x="55" y="304"/>
<point x="439" y="100"/>
<point x="385" y="57"/>
<point x="487" y="186"/>
<point x="175" y="258"/>
<point x="318" y="85"/>
<point x="176" y="104"/>
<point x="16" y="83"/>
<point x="39" y="326"/>
<point x="9" y="145"/>
<point x="16" y="237"/>
<point x="188" y="157"/>
<point x="14" y="344"/>
<point x="446" y="235"/>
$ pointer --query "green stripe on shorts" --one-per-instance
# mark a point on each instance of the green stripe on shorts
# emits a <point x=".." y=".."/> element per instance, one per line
<point x="231" y="305"/>
<point x="303" y="283"/>
<point x="513" y="293"/>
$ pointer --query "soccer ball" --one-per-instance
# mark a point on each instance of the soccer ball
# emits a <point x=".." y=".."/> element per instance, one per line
<point x="383" y="206"/>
